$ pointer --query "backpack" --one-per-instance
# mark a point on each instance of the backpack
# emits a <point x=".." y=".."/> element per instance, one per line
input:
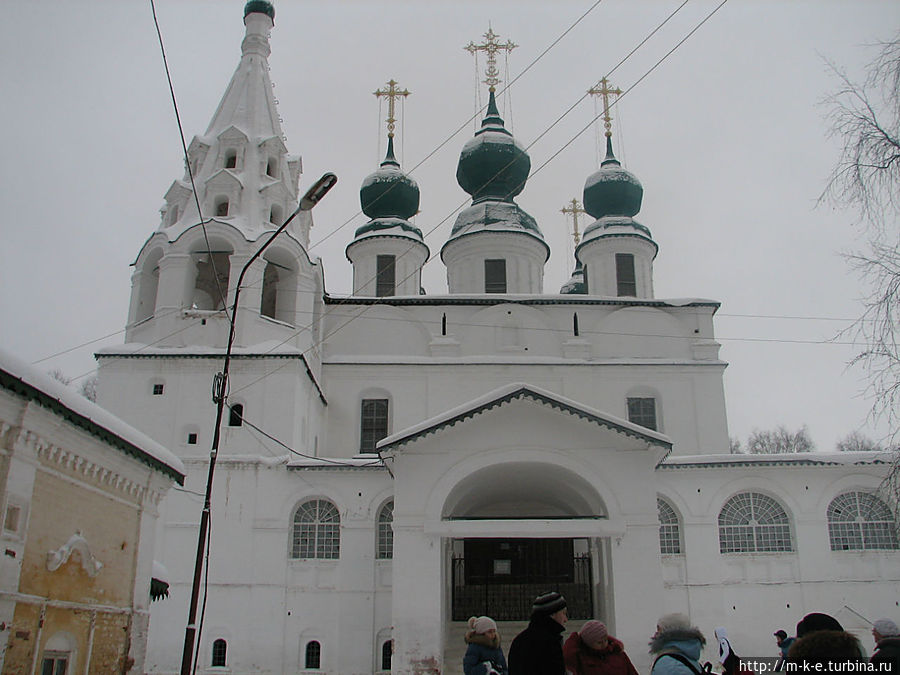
<point x="706" y="669"/>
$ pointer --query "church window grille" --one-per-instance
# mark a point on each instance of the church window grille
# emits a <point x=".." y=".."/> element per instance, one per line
<point x="317" y="531"/>
<point x="386" y="532"/>
<point x="219" y="651"/>
<point x="55" y="663"/>
<point x="642" y="411"/>
<point x="236" y="415"/>
<point x="373" y="423"/>
<point x="158" y="389"/>
<point x="495" y="276"/>
<point x="859" y="521"/>
<point x="385" y="275"/>
<point x="751" y="522"/>
<point x="386" y="650"/>
<point x="669" y="529"/>
<point x="222" y="206"/>
<point x="313" y="660"/>
<point x="231" y="159"/>
<point x="626" y="283"/>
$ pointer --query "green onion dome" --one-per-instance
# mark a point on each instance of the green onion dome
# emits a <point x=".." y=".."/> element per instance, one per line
<point x="612" y="191"/>
<point x="260" y="6"/>
<point x="389" y="193"/>
<point x="493" y="165"/>
<point x="575" y="285"/>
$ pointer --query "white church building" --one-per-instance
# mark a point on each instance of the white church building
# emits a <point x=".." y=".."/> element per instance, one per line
<point x="394" y="462"/>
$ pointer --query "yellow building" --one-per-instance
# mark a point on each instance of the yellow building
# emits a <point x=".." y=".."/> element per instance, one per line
<point x="80" y="491"/>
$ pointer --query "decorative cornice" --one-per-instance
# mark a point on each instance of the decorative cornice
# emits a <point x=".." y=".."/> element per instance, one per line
<point x="59" y="557"/>
<point x="500" y="299"/>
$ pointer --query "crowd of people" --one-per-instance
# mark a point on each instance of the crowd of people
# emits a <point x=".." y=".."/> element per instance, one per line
<point x="676" y="646"/>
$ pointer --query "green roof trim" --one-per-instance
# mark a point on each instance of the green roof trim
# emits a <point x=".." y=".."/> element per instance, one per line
<point x="31" y="393"/>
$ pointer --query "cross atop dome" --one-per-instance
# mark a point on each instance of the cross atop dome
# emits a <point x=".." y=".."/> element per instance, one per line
<point x="391" y="93"/>
<point x="602" y="89"/>
<point x="573" y="209"/>
<point x="491" y="47"/>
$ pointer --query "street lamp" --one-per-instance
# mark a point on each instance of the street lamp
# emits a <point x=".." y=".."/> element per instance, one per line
<point x="220" y="387"/>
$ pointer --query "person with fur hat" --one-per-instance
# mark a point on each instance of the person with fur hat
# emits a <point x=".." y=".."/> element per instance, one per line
<point x="677" y="646"/>
<point x="887" y="643"/>
<point x="593" y="651"/>
<point x="483" y="655"/>
<point x="537" y="650"/>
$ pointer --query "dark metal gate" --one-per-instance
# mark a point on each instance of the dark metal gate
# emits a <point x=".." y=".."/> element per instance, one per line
<point x="501" y="577"/>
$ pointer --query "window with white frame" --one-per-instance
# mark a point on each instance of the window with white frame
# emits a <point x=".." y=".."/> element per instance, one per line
<point x="860" y="521"/>
<point x="55" y="663"/>
<point x="642" y="410"/>
<point x="669" y="528"/>
<point x="386" y="532"/>
<point x="373" y="423"/>
<point x="317" y="531"/>
<point x="751" y="522"/>
<point x="219" y="653"/>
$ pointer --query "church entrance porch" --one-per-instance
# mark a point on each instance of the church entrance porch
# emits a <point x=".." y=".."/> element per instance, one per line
<point x="501" y="577"/>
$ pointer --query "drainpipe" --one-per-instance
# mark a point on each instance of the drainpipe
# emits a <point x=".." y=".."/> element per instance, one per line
<point x="37" y="638"/>
<point x="90" y="644"/>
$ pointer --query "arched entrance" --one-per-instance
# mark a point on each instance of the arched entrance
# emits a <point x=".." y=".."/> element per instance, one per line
<point x="500" y="575"/>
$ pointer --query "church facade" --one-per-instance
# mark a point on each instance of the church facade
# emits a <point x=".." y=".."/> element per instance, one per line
<point x="394" y="462"/>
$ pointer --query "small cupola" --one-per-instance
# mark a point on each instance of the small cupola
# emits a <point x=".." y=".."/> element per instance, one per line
<point x="616" y="253"/>
<point x="387" y="253"/>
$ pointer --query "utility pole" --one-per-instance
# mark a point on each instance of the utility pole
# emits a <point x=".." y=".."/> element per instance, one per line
<point x="220" y="387"/>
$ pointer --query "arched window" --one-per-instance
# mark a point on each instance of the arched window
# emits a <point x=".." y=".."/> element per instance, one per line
<point x="231" y="159"/>
<point x="373" y="423"/>
<point x="386" y="531"/>
<point x="236" y="415"/>
<point x="317" y="531"/>
<point x="313" y="659"/>
<point x="859" y="521"/>
<point x="268" y="305"/>
<point x="219" y="652"/>
<point x="387" y="649"/>
<point x="58" y="654"/>
<point x="213" y="271"/>
<point x="751" y="522"/>
<point x="669" y="529"/>
<point x="642" y="410"/>
<point x="222" y="206"/>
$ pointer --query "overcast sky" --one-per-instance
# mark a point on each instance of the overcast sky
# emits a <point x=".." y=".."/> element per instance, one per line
<point x="726" y="135"/>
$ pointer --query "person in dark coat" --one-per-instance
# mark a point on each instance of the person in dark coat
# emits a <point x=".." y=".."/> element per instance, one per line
<point x="784" y="643"/>
<point x="593" y="651"/>
<point x="729" y="660"/>
<point x="483" y="655"/>
<point x="537" y="650"/>
<point x="887" y="643"/>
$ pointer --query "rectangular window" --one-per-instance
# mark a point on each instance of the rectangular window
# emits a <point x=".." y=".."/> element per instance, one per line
<point x="13" y="518"/>
<point x="642" y="411"/>
<point x="385" y="275"/>
<point x="495" y="276"/>
<point x="625" y="279"/>
<point x="373" y="423"/>
<point x="157" y="389"/>
<point x="192" y="439"/>
<point x="54" y="664"/>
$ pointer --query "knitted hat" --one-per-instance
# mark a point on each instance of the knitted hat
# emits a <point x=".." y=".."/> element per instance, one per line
<point x="482" y="624"/>
<point x="886" y="628"/>
<point x="548" y="603"/>
<point x="780" y="633"/>
<point x="676" y="621"/>
<point x="593" y="631"/>
<point x="817" y="621"/>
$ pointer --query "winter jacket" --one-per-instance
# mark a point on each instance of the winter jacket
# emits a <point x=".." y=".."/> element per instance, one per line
<point x="582" y="660"/>
<point x="537" y="650"/>
<point x="482" y="649"/>
<point x="686" y="641"/>
<point x="888" y="651"/>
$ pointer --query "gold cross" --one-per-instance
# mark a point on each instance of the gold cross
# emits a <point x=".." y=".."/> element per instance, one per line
<point x="491" y="47"/>
<point x="392" y="94"/>
<point x="574" y="209"/>
<point x="605" y="91"/>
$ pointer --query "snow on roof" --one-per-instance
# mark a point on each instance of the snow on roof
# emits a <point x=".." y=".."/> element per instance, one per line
<point x="160" y="573"/>
<point x="784" y="459"/>
<point x="24" y="379"/>
<point x="517" y="390"/>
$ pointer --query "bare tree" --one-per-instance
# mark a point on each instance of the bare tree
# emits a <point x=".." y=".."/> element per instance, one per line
<point x="88" y="388"/>
<point x="857" y="442"/>
<point x="734" y="446"/>
<point x="60" y="376"/>
<point x="866" y="119"/>
<point x="779" y="441"/>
